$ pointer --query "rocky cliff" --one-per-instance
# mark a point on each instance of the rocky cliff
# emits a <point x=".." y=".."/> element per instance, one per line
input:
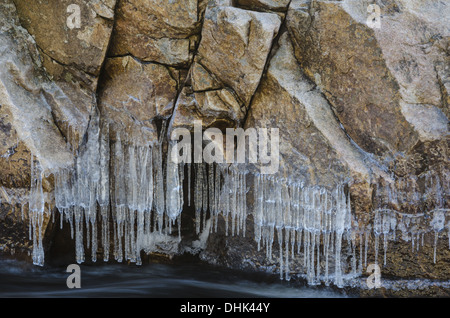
<point x="92" y="92"/>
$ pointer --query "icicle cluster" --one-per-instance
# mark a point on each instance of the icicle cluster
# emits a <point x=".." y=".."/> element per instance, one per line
<point x="134" y="196"/>
<point x="412" y="227"/>
<point x="222" y="190"/>
<point x="406" y="192"/>
<point x="305" y="219"/>
<point x="125" y="182"/>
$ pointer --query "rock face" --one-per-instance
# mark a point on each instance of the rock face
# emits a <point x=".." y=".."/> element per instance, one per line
<point x="83" y="48"/>
<point x="133" y="94"/>
<point x="71" y="54"/>
<point x="269" y="5"/>
<point x="222" y="91"/>
<point x="158" y="31"/>
<point x="342" y="60"/>
<point x="90" y="91"/>
<point x="28" y="129"/>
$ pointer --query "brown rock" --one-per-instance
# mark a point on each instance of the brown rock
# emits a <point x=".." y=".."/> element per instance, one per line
<point x="228" y="67"/>
<point x="344" y="58"/>
<point x="279" y="103"/>
<point x="83" y="48"/>
<point x="157" y="31"/>
<point x="133" y="94"/>
<point x="272" y="5"/>
<point x="288" y="100"/>
<point x="235" y="45"/>
<point x="72" y="58"/>
<point x="22" y="107"/>
<point x="414" y="48"/>
<point x="202" y="79"/>
<point x="215" y="108"/>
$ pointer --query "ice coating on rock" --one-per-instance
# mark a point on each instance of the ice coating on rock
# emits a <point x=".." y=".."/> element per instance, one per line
<point x="139" y="191"/>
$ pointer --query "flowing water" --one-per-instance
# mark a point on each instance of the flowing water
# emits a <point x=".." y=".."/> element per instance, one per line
<point x="20" y="279"/>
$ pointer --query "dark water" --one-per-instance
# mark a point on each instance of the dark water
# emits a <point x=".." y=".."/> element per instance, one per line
<point x="19" y="279"/>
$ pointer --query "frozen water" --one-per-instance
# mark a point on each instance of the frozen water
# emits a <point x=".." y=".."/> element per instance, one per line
<point x="136" y="193"/>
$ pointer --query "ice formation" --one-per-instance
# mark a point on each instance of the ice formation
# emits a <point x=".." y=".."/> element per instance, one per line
<point x="129" y="198"/>
<point x="391" y="219"/>
<point x="36" y="212"/>
<point x="125" y="182"/>
<point x="307" y="217"/>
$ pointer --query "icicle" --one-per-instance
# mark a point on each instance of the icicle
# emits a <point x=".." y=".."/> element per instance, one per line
<point x="61" y="218"/>
<point x="341" y="212"/>
<point x="115" y="234"/>
<point x="376" y="249"/>
<point x="366" y="246"/>
<point x="204" y="185"/>
<point x="385" y="228"/>
<point x="159" y="185"/>
<point x="338" y="273"/>
<point x="211" y="191"/>
<point x="179" y="228"/>
<point x="233" y="200"/>
<point x="226" y="196"/>
<point x="270" y="242"/>
<point x="94" y="245"/>
<point x="418" y="242"/>
<point x="119" y="222"/>
<point x="141" y="204"/>
<point x="326" y="252"/>
<point x="36" y="211"/>
<point x="299" y="240"/>
<point x="119" y="186"/>
<point x="174" y="200"/>
<point x="131" y="236"/>
<point x="360" y="266"/>
<point x="286" y="265"/>
<point x="149" y="187"/>
<point x="239" y="212"/>
<point x="311" y="271"/>
<point x="139" y="236"/>
<point x="318" y="255"/>
<point x="438" y="224"/>
<point x="131" y="178"/>
<point x="353" y="246"/>
<point x="104" y="211"/>
<point x="216" y="196"/>
<point x="280" y="243"/>
<point x="103" y="184"/>
<point x="189" y="183"/>
<point x="244" y="204"/>
<point x="198" y="196"/>
<point x="258" y="215"/>
<point x="293" y="234"/>
<point x="79" y="249"/>
<point x="88" y="235"/>
<point x="306" y="245"/>
<point x="69" y="216"/>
